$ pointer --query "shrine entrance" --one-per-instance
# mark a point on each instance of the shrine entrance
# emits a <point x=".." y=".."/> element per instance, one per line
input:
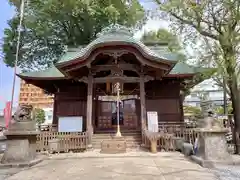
<point x="129" y="113"/>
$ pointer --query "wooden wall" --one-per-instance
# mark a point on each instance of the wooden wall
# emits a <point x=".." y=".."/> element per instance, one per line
<point x="71" y="101"/>
<point x="130" y="111"/>
<point x="163" y="97"/>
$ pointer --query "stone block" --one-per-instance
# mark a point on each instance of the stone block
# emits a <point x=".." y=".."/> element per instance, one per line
<point x="114" y="146"/>
<point x="178" y="144"/>
<point x="54" y="145"/>
<point x="187" y="149"/>
<point x="20" y="150"/>
<point x="212" y="148"/>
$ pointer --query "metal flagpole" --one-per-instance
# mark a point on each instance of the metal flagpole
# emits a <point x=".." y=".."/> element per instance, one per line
<point x="118" y="134"/>
<point x="17" y="52"/>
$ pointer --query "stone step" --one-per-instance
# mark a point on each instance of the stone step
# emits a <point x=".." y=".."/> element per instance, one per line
<point x="129" y="145"/>
<point x="133" y="139"/>
<point x="127" y="140"/>
<point x="110" y="137"/>
<point x="114" y="132"/>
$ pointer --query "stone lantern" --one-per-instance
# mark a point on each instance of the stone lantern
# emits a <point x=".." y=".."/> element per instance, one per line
<point x="21" y="138"/>
<point x="211" y="141"/>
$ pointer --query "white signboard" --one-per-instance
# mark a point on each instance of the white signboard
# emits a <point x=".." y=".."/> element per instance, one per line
<point x="70" y="124"/>
<point x="152" y="117"/>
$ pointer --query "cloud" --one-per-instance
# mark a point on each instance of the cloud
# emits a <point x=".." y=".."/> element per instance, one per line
<point x="152" y="25"/>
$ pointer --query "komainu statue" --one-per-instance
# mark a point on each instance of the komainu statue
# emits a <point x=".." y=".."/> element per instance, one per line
<point x="23" y="113"/>
<point x="210" y="122"/>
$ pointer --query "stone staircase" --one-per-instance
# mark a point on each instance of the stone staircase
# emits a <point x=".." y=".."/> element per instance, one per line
<point x="133" y="138"/>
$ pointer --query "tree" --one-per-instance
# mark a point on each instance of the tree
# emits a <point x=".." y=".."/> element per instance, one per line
<point x="220" y="110"/>
<point x="39" y="116"/>
<point x="164" y="36"/>
<point x="51" y="25"/>
<point x="217" y="22"/>
<point x="193" y="111"/>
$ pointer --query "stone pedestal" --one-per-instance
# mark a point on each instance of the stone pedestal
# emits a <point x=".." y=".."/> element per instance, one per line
<point x="114" y="146"/>
<point x="21" y="147"/>
<point x="212" y="148"/>
<point x="21" y="140"/>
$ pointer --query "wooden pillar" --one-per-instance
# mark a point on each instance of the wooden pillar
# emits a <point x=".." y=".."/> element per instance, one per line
<point x="143" y="103"/>
<point x="89" y="109"/>
<point x="55" y="120"/>
<point x="181" y="99"/>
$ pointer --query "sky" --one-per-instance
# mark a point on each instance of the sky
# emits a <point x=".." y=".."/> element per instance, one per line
<point x="6" y="73"/>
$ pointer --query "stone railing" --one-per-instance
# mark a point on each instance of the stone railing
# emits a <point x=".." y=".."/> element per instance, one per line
<point x="167" y="136"/>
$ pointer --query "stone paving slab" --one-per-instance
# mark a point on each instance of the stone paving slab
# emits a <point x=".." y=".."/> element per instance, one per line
<point x="97" y="154"/>
<point x="227" y="172"/>
<point x="132" y="165"/>
<point x="133" y="168"/>
<point x="4" y="173"/>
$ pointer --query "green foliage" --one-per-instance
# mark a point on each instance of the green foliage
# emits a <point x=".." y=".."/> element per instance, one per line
<point x="39" y="116"/>
<point x="51" y="25"/>
<point x="191" y="110"/>
<point x="163" y="36"/>
<point x="220" y="110"/>
<point x="212" y="26"/>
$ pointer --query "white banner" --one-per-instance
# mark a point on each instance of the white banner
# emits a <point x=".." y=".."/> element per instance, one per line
<point x="152" y="117"/>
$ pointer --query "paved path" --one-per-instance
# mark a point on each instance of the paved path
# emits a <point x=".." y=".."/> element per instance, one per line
<point x="132" y="168"/>
<point x="4" y="173"/>
<point x="84" y="166"/>
<point x="227" y="172"/>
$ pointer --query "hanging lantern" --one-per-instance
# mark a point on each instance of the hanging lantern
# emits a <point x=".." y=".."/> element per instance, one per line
<point x="116" y="87"/>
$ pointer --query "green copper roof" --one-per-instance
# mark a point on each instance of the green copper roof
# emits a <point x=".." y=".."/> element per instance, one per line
<point x="52" y="72"/>
<point x="183" y="68"/>
<point x="122" y="35"/>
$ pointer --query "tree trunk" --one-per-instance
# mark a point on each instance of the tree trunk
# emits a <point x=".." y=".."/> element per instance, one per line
<point x="230" y="63"/>
<point x="235" y="98"/>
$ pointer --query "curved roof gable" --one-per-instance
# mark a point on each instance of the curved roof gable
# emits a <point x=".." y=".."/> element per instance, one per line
<point x="180" y="68"/>
<point x="117" y="35"/>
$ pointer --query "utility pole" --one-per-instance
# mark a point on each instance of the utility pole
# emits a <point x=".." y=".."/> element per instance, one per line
<point x="17" y="52"/>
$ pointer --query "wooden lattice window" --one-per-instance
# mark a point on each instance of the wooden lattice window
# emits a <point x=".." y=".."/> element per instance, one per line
<point x="106" y="106"/>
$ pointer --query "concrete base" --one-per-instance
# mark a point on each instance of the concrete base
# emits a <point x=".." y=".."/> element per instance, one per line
<point x="23" y="164"/>
<point x="210" y="163"/>
<point x="20" y="147"/>
<point x="114" y="146"/>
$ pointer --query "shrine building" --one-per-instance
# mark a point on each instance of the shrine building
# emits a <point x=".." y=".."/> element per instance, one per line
<point x="84" y="81"/>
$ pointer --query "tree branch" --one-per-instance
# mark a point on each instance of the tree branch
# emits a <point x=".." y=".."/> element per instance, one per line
<point x="202" y="32"/>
